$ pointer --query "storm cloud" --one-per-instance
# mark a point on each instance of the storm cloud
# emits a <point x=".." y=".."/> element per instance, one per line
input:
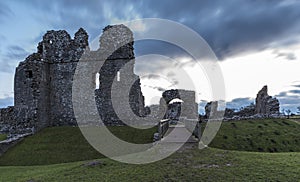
<point x="239" y="102"/>
<point x="230" y="27"/>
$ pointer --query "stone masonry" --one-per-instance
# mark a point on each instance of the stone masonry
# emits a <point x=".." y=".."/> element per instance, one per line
<point x="112" y="72"/>
<point x="43" y="82"/>
<point x="188" y="108"/>
<point x="265" y="104"/>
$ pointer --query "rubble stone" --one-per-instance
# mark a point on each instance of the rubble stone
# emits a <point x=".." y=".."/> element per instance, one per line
<point x="265" y="104"/>
<point x="43" y="82"/>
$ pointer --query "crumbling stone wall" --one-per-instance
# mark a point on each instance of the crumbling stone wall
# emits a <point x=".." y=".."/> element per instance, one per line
<point x="43" y="82"/>
<point x="265" y="104"/>
<point x="210" y="109"/>
<point x="6" y="118"/>
<point x="114" y="71"/>
<point x="188" y="108"/>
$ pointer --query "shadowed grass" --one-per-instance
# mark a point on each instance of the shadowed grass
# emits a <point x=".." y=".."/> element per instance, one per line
<point x="3" y="137"/>
<point x="65" y="144"/>
<point x="190" y="164"/>
<point x="268" y="135"/>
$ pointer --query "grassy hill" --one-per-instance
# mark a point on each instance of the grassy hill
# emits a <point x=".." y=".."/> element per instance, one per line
<point x="2" y="137"/>
<point x="65" y="144"/>
<point x="190" y="164"/>
<point x="267" y="135"/>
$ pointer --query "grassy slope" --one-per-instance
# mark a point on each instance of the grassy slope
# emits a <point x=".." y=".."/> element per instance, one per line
<point x="2" y="137"/>
<point x="191" y="164"/>
<point x="195" y="165"/>
<point x="64" y="144"/>
<point x="269" y="135"/>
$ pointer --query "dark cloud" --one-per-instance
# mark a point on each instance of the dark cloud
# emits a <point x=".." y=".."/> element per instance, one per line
<point x="234" y="27"/>
<point x="70" y="15"/>
<point x="281" y="94"/>
<point x="151" y="64"/>
<point x="288" y="93"/>
<point x="230" y="27"/>
<point x="289" y="99"/>
<point x="295" y="91"/>
<point x="286" y="102"/>
<point x="290" y="102"/>
<point x="16" y="52"/>
<point x="10" y="58"/>
<point x="288" y="56"/>
<point x="239" y="102"/>
<point x="8" y="101"/>
<point x="151" y="76"/>
<point x="5" y="12"/>
<point x="296" y="86"/>
<point x="161" y="89"/>
<point x="233" y="104"/>
<point x="145" y="47"/>
<point x="157" y="77"/>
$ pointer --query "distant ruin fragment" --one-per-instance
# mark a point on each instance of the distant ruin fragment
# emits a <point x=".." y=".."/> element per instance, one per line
<point x="265" y="104"/>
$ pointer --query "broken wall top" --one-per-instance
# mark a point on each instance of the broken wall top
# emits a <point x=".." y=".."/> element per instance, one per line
<point x="59" y="47"/>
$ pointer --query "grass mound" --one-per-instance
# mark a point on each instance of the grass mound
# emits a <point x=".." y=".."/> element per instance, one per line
<point x="65" y="144"/>
<point x="268" y="135"/>
<point x="2" y="137"/>
<point x="190" y="164"/>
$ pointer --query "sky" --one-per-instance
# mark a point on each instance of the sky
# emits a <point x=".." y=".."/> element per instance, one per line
<point x="256" y="42"/>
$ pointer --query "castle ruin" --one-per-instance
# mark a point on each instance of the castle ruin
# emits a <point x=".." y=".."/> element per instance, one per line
<point x="43" y="82"/>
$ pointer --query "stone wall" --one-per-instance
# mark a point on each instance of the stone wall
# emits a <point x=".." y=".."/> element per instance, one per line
<point x="264" y="107"/>
<point x="6" y="118"/>
<point x="118" y="68"/>
<point x="188" y="108"/>
<point x="43" y="82"/>
<point x="32" y="93"/>
<point x="265" y="104"/>
<point x="210" y="109"/>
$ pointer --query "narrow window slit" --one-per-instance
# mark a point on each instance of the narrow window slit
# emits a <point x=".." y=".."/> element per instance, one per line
<point x="97" y="81"/>
<point x="118" y="76"/>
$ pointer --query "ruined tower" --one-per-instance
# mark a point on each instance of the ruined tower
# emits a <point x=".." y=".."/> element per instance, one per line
<point x="113" y="71"/>
<point x="43" y="82"/>
<point x="265" y="104"/>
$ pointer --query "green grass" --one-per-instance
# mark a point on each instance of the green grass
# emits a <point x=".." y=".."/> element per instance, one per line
<point x="3" y="137"/>
<point x="185" y="165"/>
<point x="268" y="135"/>
<point x="64" y="144"/>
